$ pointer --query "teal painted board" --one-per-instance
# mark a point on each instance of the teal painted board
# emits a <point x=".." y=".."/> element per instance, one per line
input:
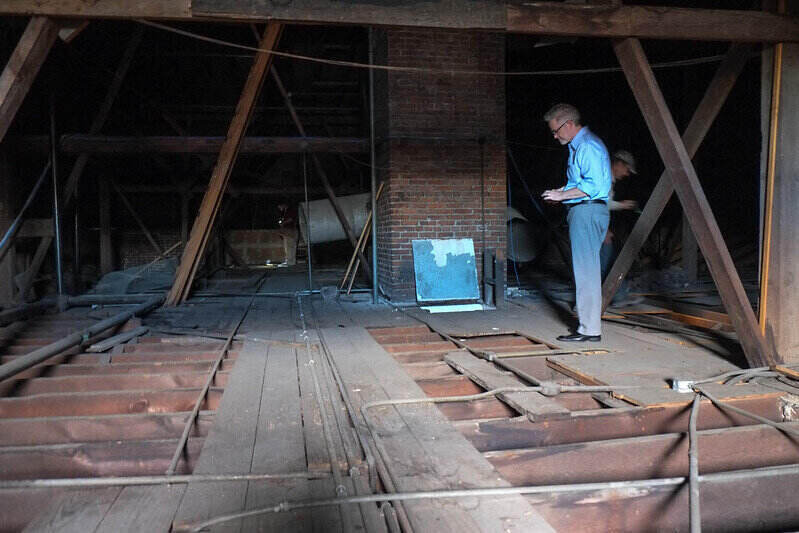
<point x="445" y="270"/>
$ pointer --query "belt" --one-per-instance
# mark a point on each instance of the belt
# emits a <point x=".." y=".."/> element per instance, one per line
<point x="603" y="202"/>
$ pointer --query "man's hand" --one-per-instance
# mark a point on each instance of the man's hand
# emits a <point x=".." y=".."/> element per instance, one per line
<point x="628" y="205"/>
<point x="553" y="195"/>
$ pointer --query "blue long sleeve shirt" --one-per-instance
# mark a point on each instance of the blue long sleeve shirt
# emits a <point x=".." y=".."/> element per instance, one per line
<point x="588" y="168"/>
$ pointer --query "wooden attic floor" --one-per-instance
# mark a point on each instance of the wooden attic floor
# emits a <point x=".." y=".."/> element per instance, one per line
<point x="268" y="420"/>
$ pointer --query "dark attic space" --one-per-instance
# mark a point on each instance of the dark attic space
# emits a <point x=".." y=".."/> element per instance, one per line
<point x="457" y="265"/>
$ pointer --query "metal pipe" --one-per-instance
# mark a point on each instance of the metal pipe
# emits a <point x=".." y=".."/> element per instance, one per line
<point x="293" y="294"/>
<point x="693" y="468"/>
<point x="11" y="232"/>
<point x="107" y="299"/>
<point x="184" y="437"/>
<point x="76" y="282"/>
<point x="496" y="491"/>
<point x="373" y="163"/>
<point x="324" y="403"/>
<point x="45" y="352"/>
<point x="390" y="516"/>
<point x="762" y="420"/>
<point x="307" y="213"/>
<point x="24" y="311"/>
<point x="56" y="210"/>
<point x="375" y="461"/>
<point x="151" y="480"/>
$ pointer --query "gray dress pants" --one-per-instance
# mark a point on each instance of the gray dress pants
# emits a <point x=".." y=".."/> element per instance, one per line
<point x="588" y="224"/>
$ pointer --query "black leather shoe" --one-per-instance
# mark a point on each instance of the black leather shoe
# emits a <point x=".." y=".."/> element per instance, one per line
<point x="579" y="337"/>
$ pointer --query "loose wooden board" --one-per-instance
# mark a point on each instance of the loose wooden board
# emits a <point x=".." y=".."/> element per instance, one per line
<point x="651" y="372"/>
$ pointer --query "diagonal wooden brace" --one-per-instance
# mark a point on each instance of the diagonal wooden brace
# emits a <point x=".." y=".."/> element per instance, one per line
<point x="705" y="114"/>
<point x="695" y="205"/>
<point x="209" y="209"/>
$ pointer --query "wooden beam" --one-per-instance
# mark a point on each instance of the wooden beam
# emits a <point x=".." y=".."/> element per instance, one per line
<point x="234" y="191"/>
<point x="36" y="265"/>
<point x="107" y="144"/>
<point x="650" y="22"/>
<point x="673" y="152"/>
<point x="127" y="9"/>
<point x="137" y="218"/>
<point x="537" y="18"/>
<point x="102" y="114"/>
<point x="690" y="252"/>
<point x="106" y="245"/>
<point x="706" y="112"/>
<point x="193" y="253"/>
<point x="342" y="218"/>
<point x="22" y="67"/>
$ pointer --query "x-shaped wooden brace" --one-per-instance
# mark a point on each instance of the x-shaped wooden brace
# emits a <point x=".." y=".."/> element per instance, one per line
<point x="680" y="175"/>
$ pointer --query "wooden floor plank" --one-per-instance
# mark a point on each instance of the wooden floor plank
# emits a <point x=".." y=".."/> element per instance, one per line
<point x="142" y="509"/>
<point x="531" y="404"/>
<point x="74" y="511"/>
<point x="279" y="441"/>
<point x="427" y="453"/>
<point x="229" y="445"/>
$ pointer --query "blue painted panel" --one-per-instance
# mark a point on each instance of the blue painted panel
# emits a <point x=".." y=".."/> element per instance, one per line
<point x="445" y="270"/>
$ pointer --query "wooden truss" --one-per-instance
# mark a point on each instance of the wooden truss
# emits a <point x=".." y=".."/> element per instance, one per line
<point x="695" y="205"/>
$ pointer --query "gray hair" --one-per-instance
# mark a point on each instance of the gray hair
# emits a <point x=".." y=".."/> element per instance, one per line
<point x="563" y="112"/>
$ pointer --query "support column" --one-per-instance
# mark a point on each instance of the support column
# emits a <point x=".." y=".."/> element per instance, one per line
<point x="782" y="301"/>
<point x="7" y="212"/>
<point x="690" y="251"/>
<point x="440" y="147"/>
<point x="106" y="248"/>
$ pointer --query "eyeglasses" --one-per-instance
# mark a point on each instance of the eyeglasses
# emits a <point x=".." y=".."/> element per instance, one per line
<point x="555" y="132"/>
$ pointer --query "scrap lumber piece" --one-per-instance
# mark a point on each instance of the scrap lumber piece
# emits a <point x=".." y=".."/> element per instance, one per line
<point x="110" y="342"/>
<point x="423" y="449"/>
<point x="534" y="405"/>
<point x="22" y="67"/>
<point x="695" y="205"/>
<point x="706" y="112"/>
<point x="212" y="201"/>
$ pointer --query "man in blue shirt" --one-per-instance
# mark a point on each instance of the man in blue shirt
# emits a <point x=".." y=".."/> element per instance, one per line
<point x="585" y="195"/>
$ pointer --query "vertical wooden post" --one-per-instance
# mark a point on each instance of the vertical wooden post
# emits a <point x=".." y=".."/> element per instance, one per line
<point x="690" y="253"/>
<point x="195" y="248"/>
<point x="106" y="248"/>
<point x="7" y="214"/>
<point x="678" y="162"/>
<point x="780" y="271"/>
<point x="22" y="67"/>
<point x="325" y="182"/>
<point x="700" y="123"/>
